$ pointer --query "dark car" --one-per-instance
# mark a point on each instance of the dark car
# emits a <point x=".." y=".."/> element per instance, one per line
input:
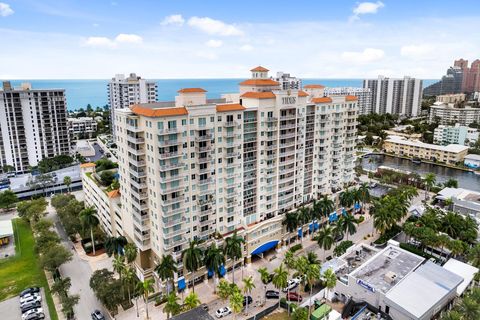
<point x="204" y="306"/>
<point x="338" y="237"/>
<point x="35" y="316"/>
<point x="293" y="296"/>
<point x="97" y="315"/>
<point x="272" y="294"/>
<point x="30" y="306"/>
<point x="29" y="291"/>
<point x="245" y="298"/>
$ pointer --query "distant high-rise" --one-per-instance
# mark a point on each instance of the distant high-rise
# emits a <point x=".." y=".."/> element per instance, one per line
<point x="288" y="82"/>
<point x="395" y="96"/>
<point x="364" y="96"/>
<point x="33" y="125"/>
<point x="124" y="92"/>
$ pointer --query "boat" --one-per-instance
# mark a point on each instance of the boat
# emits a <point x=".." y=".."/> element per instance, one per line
<point x="416" y="160"/>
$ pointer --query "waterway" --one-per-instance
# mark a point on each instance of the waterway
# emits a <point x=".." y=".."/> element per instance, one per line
<point x="466" y="179"/>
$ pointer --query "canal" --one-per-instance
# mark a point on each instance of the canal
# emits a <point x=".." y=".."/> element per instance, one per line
<point x="466" y="179"/>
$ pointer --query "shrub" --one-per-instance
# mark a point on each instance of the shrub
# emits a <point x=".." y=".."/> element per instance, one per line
<point x="104" y="164"/>
<point x="296" y="247"/>
<point x="389" y="234"/>
<point x="361" y="219"/>
<point x="107" y="177"/>
<point x="342" y="247"/>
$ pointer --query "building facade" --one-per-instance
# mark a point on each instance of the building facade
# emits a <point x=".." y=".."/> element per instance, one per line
<point x="125" y="92"/>
<point x="448" y="114"/>
<point x="395" y="96"/>
<point x="451" y="98"/>
<point x="455" y="135"/>
<point x="364" y="96"/>
<point x="81" y="128"/>
<point x="288" y="82"/>
<point x="450" y="154"/>
<point x="33" y="125"/>
<point x="198" y="168"/>
<point x="472" y="161"/>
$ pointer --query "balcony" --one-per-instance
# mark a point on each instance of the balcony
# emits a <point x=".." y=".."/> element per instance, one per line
<point x="137" y="163"/>
<point x="249" y="120"/>
<point x="206" y="232"/>
<point x="133" y="128"/>
<point x="204" y="159"/>
<point x="168" y="131"/>
<point x="138" y="185"/>
<point x="230" y="124"/>
<point x="140" y="205"/>
<point x="205" y="181"/>
<point x="173" y="200"/>
<point x="135" y="139"/>
<point x="174" y="233"/>
<point x="203" y="149"/>
<point x="175" y="243"/>
<point x="136" y="151"/>
<point x="170" y="178"/>
<point x="271" y="119"/>
<point x="172" y="212"/>
<point x="206" y="222"/>
<point x="168" y="142"/>
<point x="170" y="189"/>
<point x="169" y="155"/>
<point x="171" y="166"/>
<point x="231" y="134"/>
<point x="174" y="222"/>
<point x="205" y="137"/>
<point x="287" y="126"/>
<point x="232" y="154"/>
<point x="288" y="117"/>
<point x="137" y="173"/>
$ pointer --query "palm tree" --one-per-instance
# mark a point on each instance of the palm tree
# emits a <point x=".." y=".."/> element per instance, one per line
<point x="348" y="224"/>
<point x="265" y="278"/>
<point x="144" y="288"/>
<point x="236" y="303"/>
<point x="166" y="270"/>
<point x="364" y="194"/>
<point x="61" y="285"/>
<point x="233" y="249"/>
<point x="382" y="217"/>
<point x="347" y="199"/>
<point x="172" y="307"/>
<point x="312" y="274"/>
<point x="303" y="218"/>
<point x="313" y="258"/>
<point x="119" y="265"/>
<point x="224" y="289"/>
<point x="89" y="220"/>
<point x="473" y="256"/>
<point x="326" y="205"/>
<point x="290" y="221"/>
<point x="329" y="280"/>
<point x="452" y="315"/>
<point x="469" y="308"/>
<point x="114" y="245"/>
<point x="248" y="286"/>
<point x="325" y="238"/>
<point x="429" y="180"/>
<point x="192" y="259"/>
<point x="67" y="181"/>
<point x="128" y="277"/>
<point x="337" y="231"/>
<point x="280" y="278"/>
<point x="214" y="258"/>
<point x="191" y="301"/>
<point x="130" y="251"/>
<point x="456" y="247"/>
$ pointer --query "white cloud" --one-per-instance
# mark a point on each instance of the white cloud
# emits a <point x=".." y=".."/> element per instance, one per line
<point x="416" y="51"/>
<point x="246" y="47"/>
<point x="5" y="10"/>
<point x="128" y="38"/>
<point x="366" y="8"/>
<point x="96" y="25"/>
<point x="104" y="42"/>
<point x="214" y="27"/>
<point x="174" y="19"/>
<point x="207" y="55"/>
<point x="365" y="56"/>
<point x="214" y="43"/>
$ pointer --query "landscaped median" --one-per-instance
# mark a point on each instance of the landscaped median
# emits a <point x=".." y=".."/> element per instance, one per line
<point x="23" y="270"/>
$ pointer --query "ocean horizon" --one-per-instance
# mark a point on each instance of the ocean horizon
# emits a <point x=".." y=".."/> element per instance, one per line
<point x="81" y="92"/>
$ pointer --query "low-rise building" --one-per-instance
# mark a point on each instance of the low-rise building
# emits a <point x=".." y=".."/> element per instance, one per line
<point x="396" y="282"/>
<point x="81" y="128"/>
<point x="456" y="134"/>
<point x="472" y="161"/>
<point x="104" y="200"/>
<point x="466" y="271"/>
<point x="463" y="201"/>
<point x="447" y="113"/>
<point x="450" y="154"/>
<point x="451" y="98"/>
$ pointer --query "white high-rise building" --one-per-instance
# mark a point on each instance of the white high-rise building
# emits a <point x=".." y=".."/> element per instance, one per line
<point x="288" y="82"/>
<point x="395" y="96"/>
<point x="196" y="168"/>
<point x="364" y="96"/>
<point x="33" y="125"/>
<point x="125" y="92"/>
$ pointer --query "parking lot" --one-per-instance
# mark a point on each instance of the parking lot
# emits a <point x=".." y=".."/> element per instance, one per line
<point x="10" y="308"/>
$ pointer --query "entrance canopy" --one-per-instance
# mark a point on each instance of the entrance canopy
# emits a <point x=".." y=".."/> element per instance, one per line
<point x="265" y="247"/>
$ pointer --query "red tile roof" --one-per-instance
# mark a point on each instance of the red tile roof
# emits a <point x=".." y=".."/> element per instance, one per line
<point x="230" y="107"/>
<point x="87" y="165"/>
<point x="259" y="82"/>
<point x="191" y="90"/>
<point x="114" y="193"/>
<point x="259" y="69"/>
<point x="351" y="98"/>
<point x="161" y="112"/>
<point x="302" y="93"/>
<point x="258" y="95"/>
<point x="322" y="100"/>
<point x="313" y="86"/>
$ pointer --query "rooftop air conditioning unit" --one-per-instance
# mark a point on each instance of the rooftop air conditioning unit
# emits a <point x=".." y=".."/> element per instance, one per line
<point x="390" y="277"/>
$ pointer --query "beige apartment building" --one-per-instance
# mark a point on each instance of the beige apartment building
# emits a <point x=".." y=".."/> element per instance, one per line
<point x="198" y="168"/>
<point x="451" y="98"/>
<point x="450" y="154"/>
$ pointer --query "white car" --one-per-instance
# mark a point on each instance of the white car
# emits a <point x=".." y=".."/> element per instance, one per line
<point x="222" y="312"/>
<point x="30" y="298"/>
<point x="292" y="284"/>
<point x="29" y="312"/>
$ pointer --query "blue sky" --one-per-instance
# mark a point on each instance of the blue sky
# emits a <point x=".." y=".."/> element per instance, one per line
<point x="216" y="39"/>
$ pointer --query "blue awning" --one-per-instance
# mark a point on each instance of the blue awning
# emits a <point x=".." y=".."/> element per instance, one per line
<point x="181" y="284"/>
<point x="265" y="247"/>
<point x="344" y="212"/>
<point x="332" y="217"/>
<point x="315" y="225"/>
<point x="210" y="273"/>
<point x="300" y="232"/>
<point x="357" y="206"/>
<point x="222" y="270"/>
<point x="310" y="227"/>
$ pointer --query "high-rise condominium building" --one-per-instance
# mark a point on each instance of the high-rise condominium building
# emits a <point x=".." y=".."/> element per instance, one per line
<point x="395" y="96"/>
<point x="447" y="113"/>
<point x="33" y="125"/>
<point x="125" y="92"/>
<point x="196" y="168"/>
<point x="364" y="96"/>
<point x="288" y="82"/>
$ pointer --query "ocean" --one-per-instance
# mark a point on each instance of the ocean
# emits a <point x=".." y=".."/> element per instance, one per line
<point x="94" y="92"/>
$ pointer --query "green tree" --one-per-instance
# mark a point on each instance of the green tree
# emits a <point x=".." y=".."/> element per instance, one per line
<point x="474" y="256"/>
<point x="326" y="206"/>
<point x="312" y="274"/>
<point x="88" y="217"/>
<point x="61" y="286"/>
<point x="223" y="289"/>
<point x="429" y="181"/>
<point x="290" y="221"/>
<point x="192" y="259"/>
<point x="248" y="286"/>
<point x="236" y="303"/>
<point x="303" y="216"/>
<point x="452" y="315"/>
<point x="469" y="308"/>
<point x="325" y="238"/>
<point x="364" y="194"/>
<point x="130" y="251"/>
<point x="233" y="249"/>
<point x="128" y="277"/>
<point x="451" y="183"/>
<point x="300" y="314"/>
<point x="166" y="270"/>
<point x="7" y="199"/>
<point x="67" y="181"/>
<point x="107" y="177"/>
<point x="265" y="278"/>
<point x="172" y="308"/>
<point x="54" y="257"/>
<point x="68" y="303"/>
<point x="348" y="224"/>
<point x="214" y="259"/>
<point x="347" y="199"/>
<point x="119" y="265"/>
<point x="144" y="288"/>
<point x="42" y="226"/>
<point x="280" y="278"/>
<point x="191" y="301"/>
<point x="32" y="210"/>
<point x="329" y="280"/>
<point x="115" y="245"/>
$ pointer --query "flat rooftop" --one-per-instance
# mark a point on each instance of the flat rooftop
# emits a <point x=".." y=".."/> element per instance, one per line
<point x="19" y="182"/>
<point x="390" y="261"/>
<point x="455" y="148"/>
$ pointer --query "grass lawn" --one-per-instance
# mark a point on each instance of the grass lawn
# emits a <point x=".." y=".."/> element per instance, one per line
<point x="23" y="270"/>
<point x="282" y="315"/>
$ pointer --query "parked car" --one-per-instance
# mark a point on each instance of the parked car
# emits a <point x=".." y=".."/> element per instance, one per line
<point x="339" y="237"/>
<point x="97" y="315"/>
<point x="30" y="305"/>
<point x="222" y="312"/>
<point x="36" y="310"/>
<point x="30" y="298"/>
<point x="245" y="298"/>
<point x="293" y="296"/>
<point x="272" y="294"/>
<point x="291" y="284"/>
<point x="204" y="306"/>
<point x="35" y="316"/>
<point x="29" y="291"/>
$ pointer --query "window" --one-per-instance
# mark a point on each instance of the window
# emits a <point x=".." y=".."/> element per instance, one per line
<point x="202" y="122"/>
<point x="160" y="125"/>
